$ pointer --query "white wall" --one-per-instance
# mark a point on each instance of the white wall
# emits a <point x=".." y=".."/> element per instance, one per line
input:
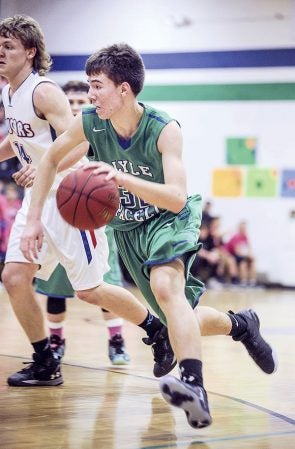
<point x="78" y="27"/>
<point x="155" y="25"/>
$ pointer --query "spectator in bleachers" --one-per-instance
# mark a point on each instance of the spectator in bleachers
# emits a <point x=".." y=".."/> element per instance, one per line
<point x="226" y="270"/>
<point x="239" y="247"/>
<point x="205" y="265"/>
<point x="206" y="212"/>
<point x="213" y="264"/>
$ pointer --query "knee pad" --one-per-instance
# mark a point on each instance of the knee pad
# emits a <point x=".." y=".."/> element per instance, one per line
<point x="56" y="305"/>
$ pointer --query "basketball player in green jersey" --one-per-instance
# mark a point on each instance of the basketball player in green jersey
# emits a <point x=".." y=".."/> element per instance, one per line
<point x="157" y="224"/>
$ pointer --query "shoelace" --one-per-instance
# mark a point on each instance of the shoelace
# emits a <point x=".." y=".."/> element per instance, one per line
<point x="32" y="365"/>
<point x="158" y="336"/>
<point x="159" y="349"/>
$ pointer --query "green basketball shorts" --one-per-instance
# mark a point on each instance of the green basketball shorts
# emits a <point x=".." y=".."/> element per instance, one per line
<point x="164" y="238"/>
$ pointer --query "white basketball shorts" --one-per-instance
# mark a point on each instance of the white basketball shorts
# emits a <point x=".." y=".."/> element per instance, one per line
<point x="84" y="254"/>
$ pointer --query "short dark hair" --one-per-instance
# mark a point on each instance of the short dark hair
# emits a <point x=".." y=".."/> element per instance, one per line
<point x="29" y="32"/>
<point x="121" y="63"/>
<point x="75" y="86"/>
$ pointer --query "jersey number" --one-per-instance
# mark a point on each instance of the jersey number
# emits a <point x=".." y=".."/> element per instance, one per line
<point x="131" y="201"/>
<point x="22" y="154"/>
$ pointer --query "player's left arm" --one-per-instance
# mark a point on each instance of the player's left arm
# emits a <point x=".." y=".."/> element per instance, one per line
<point x="170" y="145"/>
<point x="171" y="195"/>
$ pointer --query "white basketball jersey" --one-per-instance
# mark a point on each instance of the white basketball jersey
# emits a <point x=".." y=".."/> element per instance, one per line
<point x="30" y="136"/>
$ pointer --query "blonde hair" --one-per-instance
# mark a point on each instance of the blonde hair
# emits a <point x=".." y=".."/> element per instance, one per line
<point x="29" y="32"/>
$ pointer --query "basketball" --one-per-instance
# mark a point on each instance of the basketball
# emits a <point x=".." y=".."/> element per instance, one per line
<point x="87" y="201"/>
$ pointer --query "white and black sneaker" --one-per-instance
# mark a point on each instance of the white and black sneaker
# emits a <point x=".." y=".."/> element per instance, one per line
<point x="260" y="351"/>
<point x="192" y="399"/>
<point x="117" y="351"/>
<point x="164" y="357"/>
<point x="43" y="371"/>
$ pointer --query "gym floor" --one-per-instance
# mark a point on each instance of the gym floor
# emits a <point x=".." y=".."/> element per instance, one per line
<point x="103" y="407"/>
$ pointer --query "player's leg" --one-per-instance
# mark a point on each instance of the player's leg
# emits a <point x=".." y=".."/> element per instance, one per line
<point x="56" y="290"/>
<point x="116" y="344"/>
<point x="123" y="303"/>
<point x="56" y="315"/>
<point x="45" y="369"/>
<point x="18" y="279"/>
<point x="188" y="393"/>
<point x="157" y="332"/>
<point x="243" y="326"/>
<point x="115" y="299"/>
<point x="84" y="255"/>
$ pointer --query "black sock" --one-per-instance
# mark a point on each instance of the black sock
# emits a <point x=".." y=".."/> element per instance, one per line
<point x="42" y="347"/>
<point x="151" y="324"/>
<point x="191" y="371"/>
<point x="239" y="324"/>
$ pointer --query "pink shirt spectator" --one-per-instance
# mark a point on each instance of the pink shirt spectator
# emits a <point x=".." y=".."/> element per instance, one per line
<point x="238" y="245"/>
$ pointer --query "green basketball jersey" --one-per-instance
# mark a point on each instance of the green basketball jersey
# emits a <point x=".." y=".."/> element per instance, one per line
<point x="141" y="159"/>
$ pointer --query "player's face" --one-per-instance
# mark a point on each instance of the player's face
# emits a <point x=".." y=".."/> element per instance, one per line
<point x="77" y="100"/>
<point x="105" y="95"/>
<point x="13" y="57"/>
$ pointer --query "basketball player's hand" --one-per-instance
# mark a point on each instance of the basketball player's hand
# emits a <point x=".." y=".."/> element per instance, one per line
<point x="32" y="240"/>
<point x="102" y="167"/>
<point x="25" y="176"/>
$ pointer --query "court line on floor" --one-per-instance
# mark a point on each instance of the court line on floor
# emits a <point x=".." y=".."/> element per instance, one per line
<point x="217" y="440"/>
<point x="140" y="376"/>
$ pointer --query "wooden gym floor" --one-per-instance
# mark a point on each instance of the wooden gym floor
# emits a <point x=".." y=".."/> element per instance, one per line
<point x="102" y="407"/>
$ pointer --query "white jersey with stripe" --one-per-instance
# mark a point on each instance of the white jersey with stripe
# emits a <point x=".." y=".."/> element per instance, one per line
<point x="30" y="136"/>
<point x="84" y="254"/>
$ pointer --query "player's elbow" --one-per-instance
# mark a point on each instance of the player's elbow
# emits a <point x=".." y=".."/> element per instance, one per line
<point x="48" y="159"/>
<point x="179" y="203"/>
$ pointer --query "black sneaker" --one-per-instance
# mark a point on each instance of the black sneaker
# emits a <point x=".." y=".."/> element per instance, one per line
<point x="41" y="372"/>
<point x="117" y="351"/>
<point x="260" y="351"/>
<point x="164" y="357"/>
<point x="58" y="345"/>
<point x="192" y="399"/>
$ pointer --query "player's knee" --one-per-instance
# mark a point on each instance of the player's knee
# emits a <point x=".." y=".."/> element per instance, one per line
<point x="161" y="291"/>
<point x="166" y="288"/>
<point x="13" y="278"/>
<point x="83" y="295"/>
<point x="91" y="296"/>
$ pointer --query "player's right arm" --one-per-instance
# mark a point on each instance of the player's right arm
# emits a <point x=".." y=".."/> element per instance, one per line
<point x="32" y="238"/>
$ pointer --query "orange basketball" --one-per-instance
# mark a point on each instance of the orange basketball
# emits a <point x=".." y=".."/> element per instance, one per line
<point x="86" y="200"/>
